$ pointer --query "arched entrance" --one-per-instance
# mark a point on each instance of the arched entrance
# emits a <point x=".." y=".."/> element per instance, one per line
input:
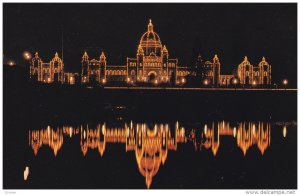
<point x="152" y="76"/>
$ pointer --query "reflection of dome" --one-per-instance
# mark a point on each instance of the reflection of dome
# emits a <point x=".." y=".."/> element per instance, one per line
<point x="149" y="165"/>
<point x="149" y="153"/>
<point x="150" y="41"/>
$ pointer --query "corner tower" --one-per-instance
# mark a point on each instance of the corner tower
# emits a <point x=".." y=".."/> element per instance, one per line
<point x="85" y="67"/>
<point x="102" y="67"/>
<point x="264" y="72"/>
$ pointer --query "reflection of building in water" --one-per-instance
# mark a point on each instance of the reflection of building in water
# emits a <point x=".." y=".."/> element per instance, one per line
<point x="246" y="134"/>
<point x="49" y="136"/>
<point x="152" y="143"/>
<point x="151" y="147"/>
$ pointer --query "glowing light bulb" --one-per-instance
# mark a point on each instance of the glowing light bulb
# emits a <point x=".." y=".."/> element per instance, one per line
<point x="26" y="55"/>
<point x="285" y="81"/>
<point x="205" y="82"/>
<point x="11" y="63"/>
<point x="26" y="173"/>
<point x="284" y="131"/>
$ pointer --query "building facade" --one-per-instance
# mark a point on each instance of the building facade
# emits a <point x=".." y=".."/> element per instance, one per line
<point x="249" y="74"/>
<point x="151" y="64"/>
<point x="211" y="72"/>
<point x="47" y="72"/>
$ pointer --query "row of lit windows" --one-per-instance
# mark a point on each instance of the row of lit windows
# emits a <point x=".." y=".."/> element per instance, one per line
<point x="46" y="70"/>
<point x="225" y="81"/>
<point x="247" y="65"/>
<point x="182" y="73"/>
<point x="257" y="73"/>
<point x="151" y="64"/>
<point x="145" y="72"/>
<point x="95" y="72"/>
<point x="116" y="72"/>
<point x="132" y="64"/>
<point x="94" y="64"/>
<point x="172" y="64"/>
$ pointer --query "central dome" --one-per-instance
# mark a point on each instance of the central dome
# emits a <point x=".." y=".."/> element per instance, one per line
<point x="150" y="41"/>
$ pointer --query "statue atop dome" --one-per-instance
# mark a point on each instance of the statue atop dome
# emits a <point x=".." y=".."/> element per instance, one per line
<point x="150" y="26"/>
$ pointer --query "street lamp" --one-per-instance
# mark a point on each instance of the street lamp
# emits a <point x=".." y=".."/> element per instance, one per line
<point x="183" y="80"/>
<point x="205" y="82"/>
<point x="284" y="131"/>
<point x="235" y="81"/>
<point x="26" y="55"/>
<point x="254" y="83"/>
<point x="285" y="82"/>
<point x="71" y="80"/>
<point x="11" y="63"/>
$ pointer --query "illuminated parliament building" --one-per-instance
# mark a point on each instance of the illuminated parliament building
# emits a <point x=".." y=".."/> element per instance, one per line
<point x="150" y="65"/>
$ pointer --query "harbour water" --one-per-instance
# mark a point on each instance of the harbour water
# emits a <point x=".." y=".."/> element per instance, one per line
<point x="120" y="154"/>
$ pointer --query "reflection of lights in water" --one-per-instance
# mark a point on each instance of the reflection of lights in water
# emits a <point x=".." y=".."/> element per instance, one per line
<point x="161" y="126"/>
<point x="253" y="129"/>
<point x="152" y="145"/>
<point x="26" y="173"/>
<point x="234" y="132"/>
<point x="284" y="131"/>
<point x="103" y="129"/>
<point x="71" y="131"/>
<point x="182" y="131"/>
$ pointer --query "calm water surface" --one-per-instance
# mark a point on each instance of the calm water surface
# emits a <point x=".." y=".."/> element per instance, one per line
<point x="128" y="155"/>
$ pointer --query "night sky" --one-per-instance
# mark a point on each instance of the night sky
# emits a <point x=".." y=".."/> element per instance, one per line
<point x="229" y="30"/>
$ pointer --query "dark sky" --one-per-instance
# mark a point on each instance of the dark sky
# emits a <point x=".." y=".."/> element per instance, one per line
<point x="229" y="30"/>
